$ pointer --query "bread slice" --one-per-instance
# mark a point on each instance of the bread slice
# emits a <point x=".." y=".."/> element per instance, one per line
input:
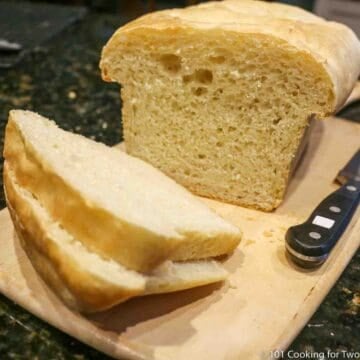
<point x="83" y="279"/>
<point x="116" y="205"/>
<point x="218" y="96"/>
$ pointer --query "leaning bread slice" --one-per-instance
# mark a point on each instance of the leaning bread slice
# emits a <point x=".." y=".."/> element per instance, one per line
<point x="82" y="279"/>
<point x="116" y="205"/>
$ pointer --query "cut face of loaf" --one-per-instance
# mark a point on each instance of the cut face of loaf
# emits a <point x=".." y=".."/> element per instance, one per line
<point x="218" y="96"/>
<point x="114" y="204"/>
<point x="83" y="279"/>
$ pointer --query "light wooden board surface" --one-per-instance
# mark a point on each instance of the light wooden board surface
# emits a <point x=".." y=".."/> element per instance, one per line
<point x="263" y="306"/>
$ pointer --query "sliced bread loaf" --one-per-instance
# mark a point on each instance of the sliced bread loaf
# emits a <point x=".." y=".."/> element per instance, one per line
<point x="82" y="279"/>
<point x="115" y="205"/>
<point x="218" y="96"/>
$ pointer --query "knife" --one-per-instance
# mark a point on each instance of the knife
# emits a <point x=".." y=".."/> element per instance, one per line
<point x="310" y="243"/>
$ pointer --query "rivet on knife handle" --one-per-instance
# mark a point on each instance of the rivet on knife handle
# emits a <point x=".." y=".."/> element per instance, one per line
<point x="310" y="243"/>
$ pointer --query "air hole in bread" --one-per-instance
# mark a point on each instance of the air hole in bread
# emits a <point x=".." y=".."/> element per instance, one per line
<point x="199" y="91"/>
<point x="171" y="62"/>
<point x="217" y="59"/>
<point x="204" y="76"/>
<point x="134" y="109"/>
<point x="186" y="79"/>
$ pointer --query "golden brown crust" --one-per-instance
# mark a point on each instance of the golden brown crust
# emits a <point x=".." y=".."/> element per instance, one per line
<point x="334" y="46"/>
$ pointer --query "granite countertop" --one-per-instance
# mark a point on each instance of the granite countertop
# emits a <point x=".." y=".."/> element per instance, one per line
<point x="61" y="80"/>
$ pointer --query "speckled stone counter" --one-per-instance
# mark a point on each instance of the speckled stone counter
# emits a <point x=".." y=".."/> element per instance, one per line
<point x="61" y="80"/>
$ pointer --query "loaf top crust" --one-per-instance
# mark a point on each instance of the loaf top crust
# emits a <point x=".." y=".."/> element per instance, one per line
<point x="331" y="44"/>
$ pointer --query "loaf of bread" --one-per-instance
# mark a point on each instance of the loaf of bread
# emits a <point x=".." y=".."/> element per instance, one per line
<point x="100" y="226"/>
<point x="219" y="96"/>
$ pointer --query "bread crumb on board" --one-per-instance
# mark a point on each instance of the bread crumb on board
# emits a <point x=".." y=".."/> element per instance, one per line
<point x="268" y="233"/>
<point x="249" y="242"/>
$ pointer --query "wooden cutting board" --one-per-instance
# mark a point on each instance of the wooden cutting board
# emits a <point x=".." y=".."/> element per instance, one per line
<point x="264" y="304"/>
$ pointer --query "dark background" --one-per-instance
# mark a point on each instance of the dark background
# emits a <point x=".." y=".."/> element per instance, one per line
<point x="59" y="77"/>
<point x="144" y="5"/>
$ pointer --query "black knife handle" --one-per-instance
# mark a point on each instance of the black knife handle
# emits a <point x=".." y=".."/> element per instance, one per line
<point x="310" y="243"/>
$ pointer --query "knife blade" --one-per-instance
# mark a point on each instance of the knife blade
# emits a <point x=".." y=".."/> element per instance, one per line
<point x="310" y="243"/>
